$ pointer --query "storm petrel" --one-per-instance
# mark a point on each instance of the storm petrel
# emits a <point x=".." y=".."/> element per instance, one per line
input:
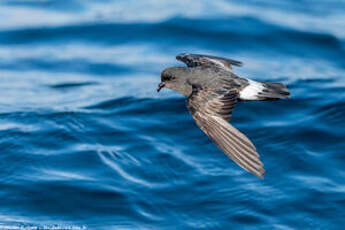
<point x="213" y="90"/>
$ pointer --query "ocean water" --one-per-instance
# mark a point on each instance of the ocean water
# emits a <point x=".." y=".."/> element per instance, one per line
<point x="87" y="143"/>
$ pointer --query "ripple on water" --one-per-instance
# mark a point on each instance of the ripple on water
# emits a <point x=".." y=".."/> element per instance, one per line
<point x="86" y="140"/>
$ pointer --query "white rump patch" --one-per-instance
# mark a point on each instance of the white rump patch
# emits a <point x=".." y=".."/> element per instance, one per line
<point x="250" y="92"/>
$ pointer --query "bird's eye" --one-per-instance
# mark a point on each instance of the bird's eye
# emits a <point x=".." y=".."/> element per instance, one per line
<point x="168" y="78"/>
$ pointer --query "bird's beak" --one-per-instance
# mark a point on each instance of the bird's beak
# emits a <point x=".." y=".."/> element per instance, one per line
<point x="160" y="86"/>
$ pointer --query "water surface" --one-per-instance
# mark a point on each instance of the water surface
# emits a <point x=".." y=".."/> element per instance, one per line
<point x="86" y="141"/>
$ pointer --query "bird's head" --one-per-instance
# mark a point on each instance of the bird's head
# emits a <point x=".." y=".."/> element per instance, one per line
<point x="174" y="78"/>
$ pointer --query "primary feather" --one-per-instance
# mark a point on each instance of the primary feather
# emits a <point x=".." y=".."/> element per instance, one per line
<point x="211" y="110"/>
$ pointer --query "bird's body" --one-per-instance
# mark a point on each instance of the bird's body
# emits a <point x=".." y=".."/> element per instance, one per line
<point x="213" y="77"/>
<point x="213" y="90"/>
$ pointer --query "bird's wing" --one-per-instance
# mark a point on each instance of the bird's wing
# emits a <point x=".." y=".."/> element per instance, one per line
<point x="211" y="110"/>
<point x="193" y="60"/>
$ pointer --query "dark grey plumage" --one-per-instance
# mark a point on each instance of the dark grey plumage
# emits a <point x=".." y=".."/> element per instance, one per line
<point x="213" y="90"/>
<point x="194" y="60"/>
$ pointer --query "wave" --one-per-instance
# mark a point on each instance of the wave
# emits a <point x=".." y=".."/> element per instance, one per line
<point x="69" y="85"/>
<point x="293" y="16"/>
<point x="86" y="139"/>
<point x="174" y="36"/>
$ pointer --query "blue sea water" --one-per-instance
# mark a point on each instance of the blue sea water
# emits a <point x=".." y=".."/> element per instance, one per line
<point x="87" y="143"/>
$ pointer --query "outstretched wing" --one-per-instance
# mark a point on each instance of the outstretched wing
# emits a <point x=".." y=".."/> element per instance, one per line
<point x="211" y="110"/>
<point x="193" y="60"/>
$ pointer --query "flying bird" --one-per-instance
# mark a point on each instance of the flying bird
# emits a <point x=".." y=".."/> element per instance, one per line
<point x="212" y="90"/>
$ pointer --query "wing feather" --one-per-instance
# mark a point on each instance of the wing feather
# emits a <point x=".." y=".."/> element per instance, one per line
<point x="211" y="110"/>
<point x="194" y="60"/>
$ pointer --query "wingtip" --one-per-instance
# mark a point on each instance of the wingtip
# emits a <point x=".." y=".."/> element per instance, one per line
<point x="235" y="62"/>
<point x="181" y="56"/>
<point x="262" y="174"/>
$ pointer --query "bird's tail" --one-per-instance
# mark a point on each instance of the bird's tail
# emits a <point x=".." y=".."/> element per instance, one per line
<point x="264" y="91"/>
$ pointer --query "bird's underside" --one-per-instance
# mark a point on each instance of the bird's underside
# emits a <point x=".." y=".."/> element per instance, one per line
<point x="211" y="106"/>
